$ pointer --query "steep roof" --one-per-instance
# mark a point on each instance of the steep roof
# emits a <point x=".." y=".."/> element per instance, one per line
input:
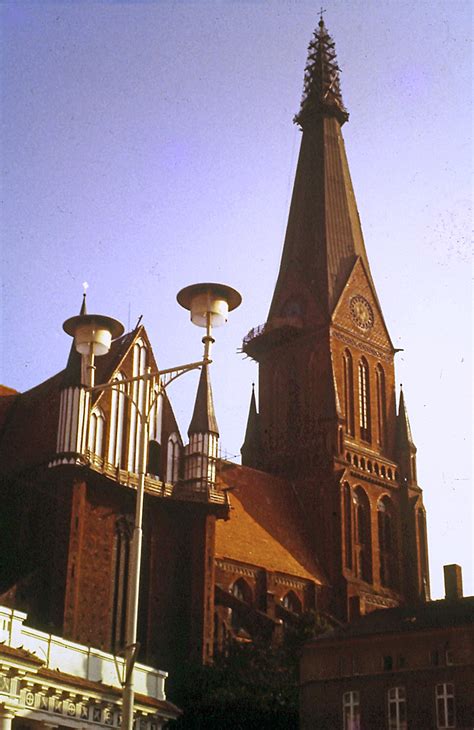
<point x="204" y="417"/>
<point x="324" y="235"/>
<point x="265" y="527"/>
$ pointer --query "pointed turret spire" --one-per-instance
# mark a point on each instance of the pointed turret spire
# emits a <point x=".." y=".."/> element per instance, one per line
<point x="201" y="452"/>
<point x="405" y="437"/>
<point x="251" y="448"/>
<point x="73" y="372"/>
<point x="405" y="444"/>
<point x="322" y="90"/>
<point x="204" y="417"/>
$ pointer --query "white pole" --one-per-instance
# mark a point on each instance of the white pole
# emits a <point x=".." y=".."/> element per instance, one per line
<point x="131" y="648"/>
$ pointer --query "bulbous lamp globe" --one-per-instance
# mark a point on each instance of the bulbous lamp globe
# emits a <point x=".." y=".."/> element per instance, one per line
<point x="209" y="304"/>
<point x="93" y="333"/>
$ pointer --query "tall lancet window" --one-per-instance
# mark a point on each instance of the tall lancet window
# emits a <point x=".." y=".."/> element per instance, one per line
<point x="122" y="539"/>
<point x="364" y="400"/>
<point x="381" y="405"/>
<point x="348" y="392"/>
<point x="386" y="542"/>
<point x="173" y="459"/>
<point x="96" y="432"/>
<point x="362" y="534"/>
<point x="348" y="525"/>
<point x="117" y="427"/>
<point x="138" y="395"/>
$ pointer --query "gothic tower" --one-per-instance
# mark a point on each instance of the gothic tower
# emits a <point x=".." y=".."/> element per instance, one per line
<point x="327" y="418"/>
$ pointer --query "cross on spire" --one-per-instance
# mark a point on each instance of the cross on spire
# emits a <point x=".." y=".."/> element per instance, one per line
<point x="321" y="93"/>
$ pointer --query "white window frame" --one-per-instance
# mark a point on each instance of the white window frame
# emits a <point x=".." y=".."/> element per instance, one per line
<point x="351" y="710"/>
<point x="396" y="697"/>
<point x="444" y="693"/>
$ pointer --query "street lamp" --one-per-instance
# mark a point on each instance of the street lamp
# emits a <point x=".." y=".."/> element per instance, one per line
<point x="209" y="305"/>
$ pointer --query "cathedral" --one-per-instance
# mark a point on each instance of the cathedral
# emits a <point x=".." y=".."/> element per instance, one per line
<point x="323" y="515"/>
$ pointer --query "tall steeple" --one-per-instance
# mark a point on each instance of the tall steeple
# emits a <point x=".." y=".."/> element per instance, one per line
<point x="324" y="236"/>
<point x="327" y="418"/>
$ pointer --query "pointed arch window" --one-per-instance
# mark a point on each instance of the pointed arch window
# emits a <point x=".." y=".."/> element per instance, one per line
<point x="364" y="400"/>
<point x="347" y="526"/>
<point x="120" y="575"/>
<point x="386" y="536"/>
<point x="381" y="405"/>
<point x="96" y="432"/>
<point x="348" y="391"/>
<point x="173" y="459"/>
<point x="118" y="419"/>
<point x="362" y="535"/>
<point x="242" y="591"/>
<point x="292" y="603"/>
<point x="138" y="395"/>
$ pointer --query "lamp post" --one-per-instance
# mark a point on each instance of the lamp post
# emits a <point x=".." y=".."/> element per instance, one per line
<point x="209" y="305"/>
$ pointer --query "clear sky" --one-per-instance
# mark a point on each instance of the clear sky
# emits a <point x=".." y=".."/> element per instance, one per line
<point x="149" y="145"/>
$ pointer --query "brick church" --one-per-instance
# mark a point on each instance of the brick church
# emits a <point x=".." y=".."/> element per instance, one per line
<point x="325" y="513"/>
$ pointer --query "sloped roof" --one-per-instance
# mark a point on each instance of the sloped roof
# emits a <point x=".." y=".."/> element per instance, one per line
<point x="425" y="616"/>
<point x="28" y="435"/>
<point x="265" y="528"/>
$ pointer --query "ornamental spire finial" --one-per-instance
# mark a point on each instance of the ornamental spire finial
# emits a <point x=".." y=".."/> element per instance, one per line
<point x="322" y="92"/>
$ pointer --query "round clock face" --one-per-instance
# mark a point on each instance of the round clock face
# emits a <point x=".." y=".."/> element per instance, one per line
<point x="361" y="312"/>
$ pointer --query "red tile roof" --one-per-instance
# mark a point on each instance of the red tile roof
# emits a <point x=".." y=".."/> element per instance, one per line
<point x="265" y="528"/>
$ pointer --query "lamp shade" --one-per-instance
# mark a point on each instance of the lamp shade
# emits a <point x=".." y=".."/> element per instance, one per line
<point x="209" y="300"/>
<point x="93" y="333"/>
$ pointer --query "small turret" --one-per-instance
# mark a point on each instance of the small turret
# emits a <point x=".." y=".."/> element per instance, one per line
<point x="201" y="452"/>
<point x="73" y="374"/>
<point x="405" y="445"/>
<point x="251" y="448"/>
<point x="74" y="408"/>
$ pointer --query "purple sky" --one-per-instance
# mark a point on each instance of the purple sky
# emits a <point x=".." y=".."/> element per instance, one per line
<point x="149" y="145"/>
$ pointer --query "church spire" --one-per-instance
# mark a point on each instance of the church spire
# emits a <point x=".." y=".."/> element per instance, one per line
<point x="251" y="448"/>
<point x="322" y="90"/>
<point x="323" y="236"/>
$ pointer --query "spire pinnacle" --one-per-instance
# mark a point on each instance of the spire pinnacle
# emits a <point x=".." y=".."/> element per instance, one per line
<point x="321" y="92"/>
<point x="251" y="448"/>
<point x="404" y="429"/>
<point x="204" y="417"/>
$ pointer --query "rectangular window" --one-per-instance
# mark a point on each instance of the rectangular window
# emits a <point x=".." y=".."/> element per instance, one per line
<point x="351" y="711"/>
<point x="445" y="711"/>
<point x="397" y="709"/>
<point x="388" y="663"/>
